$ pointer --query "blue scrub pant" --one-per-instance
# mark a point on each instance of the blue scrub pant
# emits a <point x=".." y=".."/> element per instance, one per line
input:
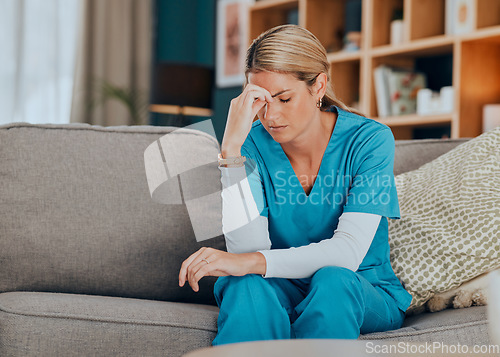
<point x="334" y="303"/>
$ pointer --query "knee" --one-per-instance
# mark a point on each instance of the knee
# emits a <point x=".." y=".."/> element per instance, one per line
<point x="238" y="283"/>
<point x="335" y="281"/>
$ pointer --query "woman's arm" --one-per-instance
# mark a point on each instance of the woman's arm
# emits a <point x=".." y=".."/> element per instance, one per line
<point x="213" y="262"/>
<point x="235" y="196"/>
<point x="347" y="248"/>
<point x="245" y="230"/>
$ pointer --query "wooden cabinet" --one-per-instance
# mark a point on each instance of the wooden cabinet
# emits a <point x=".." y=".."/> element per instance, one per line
<point x="473" y="68"/>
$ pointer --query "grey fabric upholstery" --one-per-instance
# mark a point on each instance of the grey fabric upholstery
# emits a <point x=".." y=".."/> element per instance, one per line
<point x="411" y="154"/>
<point x="46" y="324"/>
<point x="43" y="324"/>
<point x="89" y="263"/>
<point x="465" y="326"/>
<point x="77" y="215"/>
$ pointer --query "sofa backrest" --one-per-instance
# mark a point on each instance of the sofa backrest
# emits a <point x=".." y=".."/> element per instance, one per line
<point x="76" y="215"/>
<point x="411" y="154"/>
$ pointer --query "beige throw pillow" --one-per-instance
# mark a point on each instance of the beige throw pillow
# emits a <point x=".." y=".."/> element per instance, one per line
<point x="450" y="219"/>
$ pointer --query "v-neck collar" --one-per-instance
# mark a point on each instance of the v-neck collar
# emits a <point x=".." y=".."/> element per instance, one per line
<point x="289" y="166"/>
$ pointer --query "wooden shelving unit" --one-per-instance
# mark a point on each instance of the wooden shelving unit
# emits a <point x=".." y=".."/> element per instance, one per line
<point x="475" y="72"/>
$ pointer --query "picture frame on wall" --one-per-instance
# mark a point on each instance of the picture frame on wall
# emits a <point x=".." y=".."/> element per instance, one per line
<point x="232" y="34"/>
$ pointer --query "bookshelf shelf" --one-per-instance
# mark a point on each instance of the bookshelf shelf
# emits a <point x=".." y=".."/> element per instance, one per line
<point x="488" y="33"/>
<point x="344" y="56"/>
<point x="429" y="46"/>
<point x="469" y="62"/>
<point x="416" y="120"/>
<point x="272" y="4"/>
<point x="269" y="13"/>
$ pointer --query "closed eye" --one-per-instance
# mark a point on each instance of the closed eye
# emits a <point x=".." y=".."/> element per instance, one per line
<point x="284" y="100"/>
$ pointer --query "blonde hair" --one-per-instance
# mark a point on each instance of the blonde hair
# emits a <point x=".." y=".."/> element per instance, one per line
<point x="293" y="50"/>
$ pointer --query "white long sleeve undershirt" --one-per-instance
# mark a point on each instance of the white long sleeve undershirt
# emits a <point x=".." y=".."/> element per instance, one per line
<point x="245" y="230"/>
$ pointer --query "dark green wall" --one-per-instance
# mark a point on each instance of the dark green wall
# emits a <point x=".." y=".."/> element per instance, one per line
<point x="185" y="32"/>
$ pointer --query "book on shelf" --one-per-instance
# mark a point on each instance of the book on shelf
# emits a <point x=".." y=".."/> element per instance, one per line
<point x="403" y="88"/>
<point x="380" y="77"/>
<point x="396" y="90"/>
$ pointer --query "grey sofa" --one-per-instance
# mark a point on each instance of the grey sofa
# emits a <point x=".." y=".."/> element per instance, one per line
<point x="89" y="262"/>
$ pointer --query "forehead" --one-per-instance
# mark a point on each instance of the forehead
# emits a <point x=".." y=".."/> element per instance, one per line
<point x="273" y="81"/>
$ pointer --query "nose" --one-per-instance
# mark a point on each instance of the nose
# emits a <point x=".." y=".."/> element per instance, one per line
<point x="270" y="111"/>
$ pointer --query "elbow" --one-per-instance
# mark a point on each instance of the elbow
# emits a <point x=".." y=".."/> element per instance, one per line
<point x="352" y="262"/>
<point x="265" y="246"/>
<point x="355" y="263"/>
<point x="354" y="267"/>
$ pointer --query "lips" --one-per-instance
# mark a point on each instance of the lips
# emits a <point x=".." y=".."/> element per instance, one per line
<point x="277" y="129"/>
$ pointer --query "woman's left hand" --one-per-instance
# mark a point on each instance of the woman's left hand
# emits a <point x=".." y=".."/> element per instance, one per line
<point x="214" y="262"/>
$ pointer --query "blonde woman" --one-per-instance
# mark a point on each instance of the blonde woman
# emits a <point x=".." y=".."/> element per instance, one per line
<point x="308" y="188"/>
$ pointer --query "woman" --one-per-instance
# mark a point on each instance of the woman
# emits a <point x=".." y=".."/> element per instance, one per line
<point x="305" y="218"/>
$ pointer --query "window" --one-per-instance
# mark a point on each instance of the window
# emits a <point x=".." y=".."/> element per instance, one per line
<point x="37" y="60"/>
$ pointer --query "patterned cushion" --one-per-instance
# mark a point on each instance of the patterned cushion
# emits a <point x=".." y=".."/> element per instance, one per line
<point x="450" y="218"/>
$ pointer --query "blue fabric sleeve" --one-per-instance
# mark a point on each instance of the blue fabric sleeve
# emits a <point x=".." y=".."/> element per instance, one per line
<point x="373" y="188"/>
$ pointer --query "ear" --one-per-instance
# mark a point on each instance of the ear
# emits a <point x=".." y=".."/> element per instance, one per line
<point x="319" y="87"/>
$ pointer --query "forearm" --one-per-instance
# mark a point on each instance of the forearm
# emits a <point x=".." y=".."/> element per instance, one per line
<point x="347" y="248"/>
<point x="255" y="263"/>
<point x="230" y="150"/>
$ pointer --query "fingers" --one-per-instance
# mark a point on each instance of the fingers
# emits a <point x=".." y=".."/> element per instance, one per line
<point x="254" y="93"/>
<point x="257" y="98"/>
<point x="242" y="111"/>
<point x="186" y="263"/>
<point x="255" y="101"/>
<point x="201" y="269"/>
<point x="193" y="264"/>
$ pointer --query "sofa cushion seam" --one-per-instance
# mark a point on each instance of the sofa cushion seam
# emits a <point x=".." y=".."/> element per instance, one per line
<point x="430" y="330"/>
<point x="106" y="320"/>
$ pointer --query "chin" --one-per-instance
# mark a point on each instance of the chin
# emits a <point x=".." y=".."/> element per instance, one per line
<point x="279" y="138"/>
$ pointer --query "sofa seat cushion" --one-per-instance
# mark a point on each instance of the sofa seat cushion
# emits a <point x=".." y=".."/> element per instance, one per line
<point x="44" y="324"/>
<point x="461" y="326"/>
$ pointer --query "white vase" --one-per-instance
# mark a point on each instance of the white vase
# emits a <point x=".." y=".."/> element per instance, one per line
<point x="397" y="32"/>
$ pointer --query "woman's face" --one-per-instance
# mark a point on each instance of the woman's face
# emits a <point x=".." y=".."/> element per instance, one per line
<point x="293" y="108"/>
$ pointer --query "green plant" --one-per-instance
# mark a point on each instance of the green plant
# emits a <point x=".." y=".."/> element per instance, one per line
<point x="136" y="101"/>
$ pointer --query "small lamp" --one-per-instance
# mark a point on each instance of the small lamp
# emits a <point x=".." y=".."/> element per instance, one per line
<point x="182" y="89"/>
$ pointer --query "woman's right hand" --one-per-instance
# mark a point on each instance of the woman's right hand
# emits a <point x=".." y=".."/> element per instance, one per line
<point x="242" y="111"/>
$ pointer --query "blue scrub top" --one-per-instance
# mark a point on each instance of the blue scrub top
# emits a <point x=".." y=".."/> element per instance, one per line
<point x="355" y="175"/>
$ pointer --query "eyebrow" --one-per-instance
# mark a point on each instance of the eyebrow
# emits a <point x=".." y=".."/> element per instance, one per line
<point x="281" y="92"/>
